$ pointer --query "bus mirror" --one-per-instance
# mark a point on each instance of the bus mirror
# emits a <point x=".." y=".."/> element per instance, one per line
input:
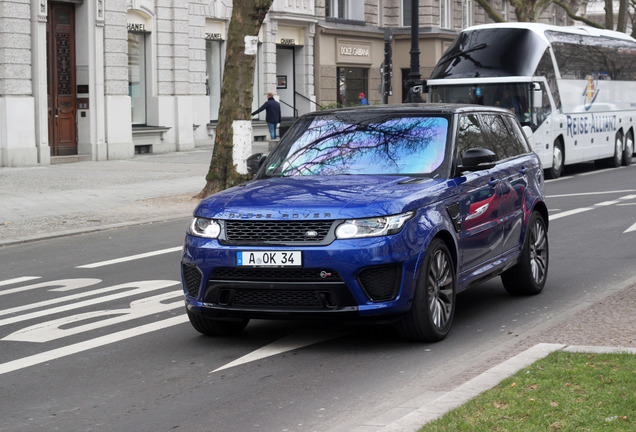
<point x="537" y="96"/>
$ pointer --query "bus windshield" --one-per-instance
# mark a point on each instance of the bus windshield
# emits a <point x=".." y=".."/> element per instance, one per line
<point x="494" y="52"/>
<point x="514" y="96"/>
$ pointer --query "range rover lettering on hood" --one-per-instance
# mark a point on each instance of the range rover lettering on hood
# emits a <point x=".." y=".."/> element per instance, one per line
<point x="308" y="215"/>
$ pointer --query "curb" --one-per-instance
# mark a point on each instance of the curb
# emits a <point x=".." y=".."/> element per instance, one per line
<point x="485" y="381"/>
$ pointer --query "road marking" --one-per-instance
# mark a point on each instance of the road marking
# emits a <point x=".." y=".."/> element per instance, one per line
<point x="130" y="258"/>
<point x="142" y="287"/>
<point x="63" y="284"/>
<point x="63" y="327"/>
<point x="569" y="213"/>
<point x="289" y="343"/>
<point x="18" y="280"/>
<point x="90" y="344"/>
<point x="605" y="203"/>
<point x="596" y="193"/>
<point x="630" y="229"/>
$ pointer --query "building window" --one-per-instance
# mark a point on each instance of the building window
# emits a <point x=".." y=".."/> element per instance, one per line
<point x="351" y="82"/>
<point x="137" y="76"/>
<point x="214" y="75"/>
<point x="406" y="12"/>
<point x="444" y="13"/>
<point x="345" y="9"/>
<point x="467" y="13"/>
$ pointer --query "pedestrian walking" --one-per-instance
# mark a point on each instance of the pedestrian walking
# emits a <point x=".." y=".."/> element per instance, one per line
<point x="272" y="114"/>
<point x="362" y="99"/>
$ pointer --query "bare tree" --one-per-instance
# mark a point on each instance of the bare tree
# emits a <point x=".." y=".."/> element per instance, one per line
<point x="531" y="10"/>
<point x="236" y="92"/>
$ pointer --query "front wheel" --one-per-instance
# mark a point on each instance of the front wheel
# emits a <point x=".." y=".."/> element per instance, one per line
<point x="555" y="171"/>
<point x="528" y="276"/>
<point x="215" y="327"/>
<point x="433" y="308"/>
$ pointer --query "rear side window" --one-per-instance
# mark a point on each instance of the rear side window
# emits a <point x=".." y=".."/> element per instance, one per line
<point x="502" y="137"/>
<point x="470" y="134"/>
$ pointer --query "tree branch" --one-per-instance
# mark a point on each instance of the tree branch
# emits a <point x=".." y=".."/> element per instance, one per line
<point x="575" y="17"/>
<point x="490" y="11"/>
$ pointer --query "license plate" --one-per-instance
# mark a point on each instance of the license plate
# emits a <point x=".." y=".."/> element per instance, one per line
<point x="269" y="259"/>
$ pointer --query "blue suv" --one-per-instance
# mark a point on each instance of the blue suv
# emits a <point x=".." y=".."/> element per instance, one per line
<point x="372" y="213"/>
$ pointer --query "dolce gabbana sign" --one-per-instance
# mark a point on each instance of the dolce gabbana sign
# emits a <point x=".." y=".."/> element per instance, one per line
<point x="348" y="51"/>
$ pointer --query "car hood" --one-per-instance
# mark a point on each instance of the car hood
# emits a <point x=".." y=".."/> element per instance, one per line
<point x="324" y="197"/>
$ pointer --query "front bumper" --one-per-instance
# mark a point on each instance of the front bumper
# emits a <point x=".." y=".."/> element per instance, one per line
<point x="347" y="279"/>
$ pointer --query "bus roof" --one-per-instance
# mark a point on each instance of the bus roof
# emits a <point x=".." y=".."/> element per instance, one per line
<point x="540" y="29"/>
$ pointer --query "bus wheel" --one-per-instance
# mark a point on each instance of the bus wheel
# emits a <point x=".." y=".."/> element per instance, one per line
<point x="617" y="160"/>
<point x="557" y="161"/>
<point x="628" y="150"/>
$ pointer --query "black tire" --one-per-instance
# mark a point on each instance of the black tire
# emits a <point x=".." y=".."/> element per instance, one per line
<point x="617" y="160"/>
<point x="528" y="276"/>
<point x="558" y="158"/>
<point x="628" y="149"/>
<point x="433" y="308"/>
<point x="214" y="327"/>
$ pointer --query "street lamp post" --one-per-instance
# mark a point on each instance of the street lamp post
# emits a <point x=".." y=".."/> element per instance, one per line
<point x="415" y="79"/>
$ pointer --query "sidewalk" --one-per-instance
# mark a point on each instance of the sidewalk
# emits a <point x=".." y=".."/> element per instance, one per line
<point x="56" y="200"/>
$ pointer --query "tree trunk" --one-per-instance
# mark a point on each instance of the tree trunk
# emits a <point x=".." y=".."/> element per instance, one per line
<point x="236" y="92"/>
<point x="623" y="10"/>
<point x="609" y="14"/>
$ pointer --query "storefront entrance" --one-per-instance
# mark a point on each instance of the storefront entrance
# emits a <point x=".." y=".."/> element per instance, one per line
<point x="61" y="79"/>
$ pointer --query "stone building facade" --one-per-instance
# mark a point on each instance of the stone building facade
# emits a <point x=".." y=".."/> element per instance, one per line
<point x="105" y="79"/>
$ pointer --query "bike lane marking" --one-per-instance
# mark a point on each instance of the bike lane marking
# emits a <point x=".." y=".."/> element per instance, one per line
<point x="57" y="353"/>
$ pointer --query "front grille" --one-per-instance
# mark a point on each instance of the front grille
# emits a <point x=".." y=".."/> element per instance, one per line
<point x="275" y="274"/>
<point x="191" y="280"/>
<point x="380" y="283"/>
<point x="276" y="232"/>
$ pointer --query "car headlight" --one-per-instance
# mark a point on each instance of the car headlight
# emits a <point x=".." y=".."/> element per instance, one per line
<point x="204" y="227"/>
<point x="373" y="227"/>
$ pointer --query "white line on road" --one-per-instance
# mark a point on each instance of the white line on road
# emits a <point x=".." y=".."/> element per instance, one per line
<point x="569" y="213"/>
<point x="18" y="280"/>
<point x="595" y="193"/>
<point x="630" y="229"/>
<point x="90" y="344"/>
<point x="289" y="343"/>
<point x="130" y="258"/>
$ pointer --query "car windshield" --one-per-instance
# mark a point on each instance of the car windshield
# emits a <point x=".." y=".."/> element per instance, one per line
<point x="336" y="145"/>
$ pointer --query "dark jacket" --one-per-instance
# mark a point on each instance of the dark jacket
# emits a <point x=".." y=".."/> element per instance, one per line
<point x="272" y="111"/>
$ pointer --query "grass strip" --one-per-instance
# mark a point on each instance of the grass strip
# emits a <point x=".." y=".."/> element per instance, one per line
<point x="561" y="392"/>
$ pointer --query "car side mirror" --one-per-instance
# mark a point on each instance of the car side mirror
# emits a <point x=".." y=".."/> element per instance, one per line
<point x="254" y="162"/>
<point x="478" y="159"/>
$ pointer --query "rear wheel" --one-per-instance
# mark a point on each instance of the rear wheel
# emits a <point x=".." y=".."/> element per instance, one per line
<point x="215" y="327"/>
<point x="628" y="150"/>
<point x="529" y="275"/>
<point x="557" y="161"/>
<point x="433" y="308"/>
<point x="617" y="159"/>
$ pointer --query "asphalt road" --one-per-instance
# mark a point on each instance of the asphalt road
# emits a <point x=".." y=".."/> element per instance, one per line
<point x="88" y="343"/>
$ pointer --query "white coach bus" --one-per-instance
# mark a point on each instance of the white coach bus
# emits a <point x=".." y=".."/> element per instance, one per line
<point x="574" y="86"/>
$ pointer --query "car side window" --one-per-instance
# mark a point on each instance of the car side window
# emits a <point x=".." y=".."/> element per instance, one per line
<point x="500" y="137"/>
<point x="470" y="134"/>
<point x="517" y="137"/>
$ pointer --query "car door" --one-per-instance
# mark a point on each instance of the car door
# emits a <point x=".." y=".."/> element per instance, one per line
<point x="503" y="132"/>
<point x="480" y="231"/>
